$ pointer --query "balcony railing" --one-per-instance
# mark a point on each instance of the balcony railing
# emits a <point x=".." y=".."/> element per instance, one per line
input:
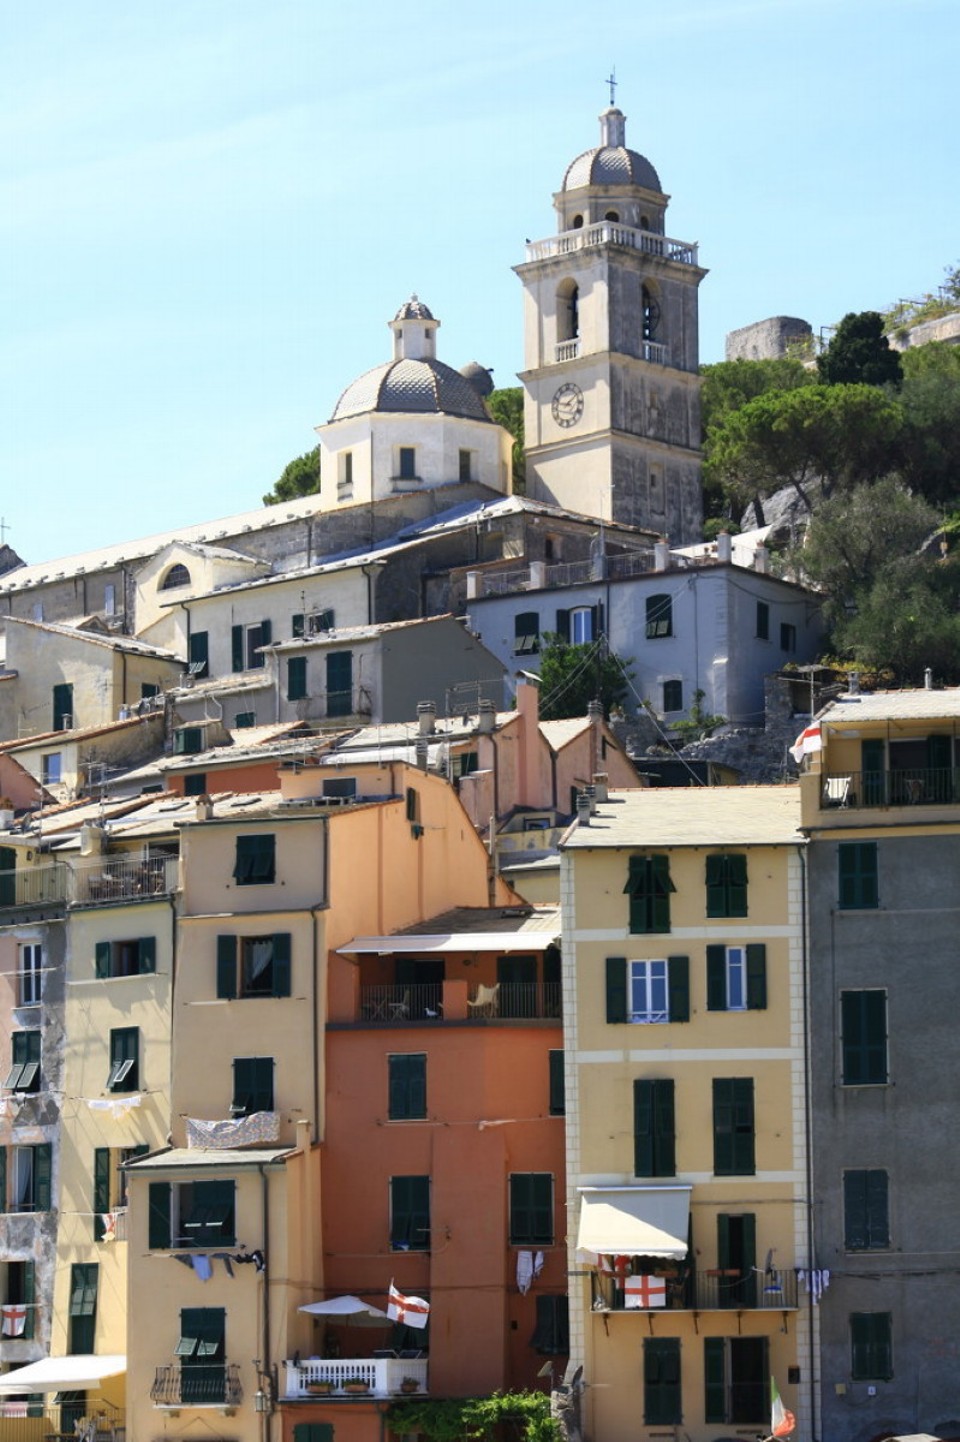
<point x="123" y="878"/>
<point x="567" y="573"/>
<point x="214" y="1385"/>
<point x="383" y="1377"/>
<point x="565" y="350"/>
<point x="431" y="1003"/>
<point x="906" y="786"/>
<point x="336" y="705"/>
<point x="608" y="232"/>
<point x="707" y="1291"/>
<point x="38" y="1420"/>
<point x="34" y="886"/>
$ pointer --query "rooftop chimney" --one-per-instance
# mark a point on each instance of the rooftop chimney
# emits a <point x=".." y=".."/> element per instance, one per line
<point x="427" y="717"/>
<point x="583" y="808"/>
<point x="724" y="547"/>
<point x="761" y="560"/>
<point x="204" y="808"/>
<point x="487" y="718"/>
<point x="661" y="555"/>
<point x="853" y="683"/>
<point x="422" y="753"/>
<point x="600" y="787"/>
<point x="927" y="678"/>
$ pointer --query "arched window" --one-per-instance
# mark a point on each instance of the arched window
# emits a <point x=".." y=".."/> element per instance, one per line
<point x="644" y="222"/>
<point x="176" y="576"/>
<point x="612" y="215"/>
<point x="578" y="222"/>
<point x="651" y="313"/>
<point x="568" y="316"/>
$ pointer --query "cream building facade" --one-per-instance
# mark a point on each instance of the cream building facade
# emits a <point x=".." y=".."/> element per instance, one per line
<point x="687" y="1169"/>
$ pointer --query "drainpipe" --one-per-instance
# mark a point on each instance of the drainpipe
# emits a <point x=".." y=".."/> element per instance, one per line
<point x="315" y="1024"/>
<point x="265" y="1301"/>
<point x="808" y="1124"/>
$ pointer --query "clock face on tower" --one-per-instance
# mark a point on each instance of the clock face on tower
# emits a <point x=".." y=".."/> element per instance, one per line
<point x="568" y="404"/>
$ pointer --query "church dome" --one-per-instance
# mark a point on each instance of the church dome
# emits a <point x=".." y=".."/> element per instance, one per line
<point x="414" y="309"/>
<point x="480" y="377"/>
<point x="611" y="163"/>
<point x="424" y="387"/>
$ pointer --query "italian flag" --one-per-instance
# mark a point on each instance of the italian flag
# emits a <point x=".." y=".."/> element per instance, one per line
<point x="782" y="1421"/>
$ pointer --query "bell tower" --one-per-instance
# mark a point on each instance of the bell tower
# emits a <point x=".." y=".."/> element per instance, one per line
<point x="611" y="379"/>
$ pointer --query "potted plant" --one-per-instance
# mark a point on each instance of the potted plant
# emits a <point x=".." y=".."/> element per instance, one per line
<point x="320" y="1388"/>
<point x="409" y="1384"/>
<point x="356" y="1385"/>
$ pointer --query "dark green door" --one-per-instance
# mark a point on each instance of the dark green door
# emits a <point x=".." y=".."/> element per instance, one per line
<point x="872" y="764"/>
<point x="339" y="683"/>
<point x="201" y="1352"/>
<point x="737" y="1258"/>
<point x="517" y="976"/>
<point x="8" y="876"/>
<point x="939" y="785"/>
<point x="749" y="1385"/>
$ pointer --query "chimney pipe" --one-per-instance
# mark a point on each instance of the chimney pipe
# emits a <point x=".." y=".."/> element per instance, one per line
<point x="724" y="547"/>
<point x="427" y="717"/>
<point x="600" y="787"/>
<point x="203" y="809"/>
<point x="927" y="679"/>
<point x="853" y="683"/>
<point x="422" y="752"/>
<point x="583" y="809"/>
<point x="761" y="560"/>
<point x="487" y="717"/>
<point x="661" y="556"/>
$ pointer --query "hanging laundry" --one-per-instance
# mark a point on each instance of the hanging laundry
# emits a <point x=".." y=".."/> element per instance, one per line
<point x="14" y="1319"/>
<point x="203" y="1267"/>
<point x="524" y="1272"/>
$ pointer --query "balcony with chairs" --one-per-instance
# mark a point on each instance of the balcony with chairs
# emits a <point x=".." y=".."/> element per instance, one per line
<point x="682" y="1288"/>
<point x="455" y="1000"/>
<point x="105" y="879"/>
<point x="345" y="1379"/>
<point x="897" y="786"/>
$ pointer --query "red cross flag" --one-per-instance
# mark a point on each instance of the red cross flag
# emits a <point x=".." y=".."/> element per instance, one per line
<point x="645" y="1292"/>
<point x="412" y="1311"/>
<point x="14" y="1320"/>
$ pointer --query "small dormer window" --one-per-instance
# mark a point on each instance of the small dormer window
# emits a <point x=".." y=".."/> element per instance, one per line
<point x="177" y="575"/>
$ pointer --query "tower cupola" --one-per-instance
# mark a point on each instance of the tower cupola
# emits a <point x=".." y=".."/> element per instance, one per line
<point x="414" y="331"/>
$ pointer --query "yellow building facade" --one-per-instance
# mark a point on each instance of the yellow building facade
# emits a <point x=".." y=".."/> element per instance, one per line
<point x="683" y="943"/>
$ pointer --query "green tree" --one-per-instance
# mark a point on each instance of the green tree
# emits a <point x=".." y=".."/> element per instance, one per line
<point x="930" y="396"/>
<point x="727" y="387"/>
<point x="506" y="407"/>
<point x="859" y="353"/>
<point x="890" y="599"/>
<point x="300" y="477"/>
<point x="835" y="436"/>
<point x="571" y="676"/>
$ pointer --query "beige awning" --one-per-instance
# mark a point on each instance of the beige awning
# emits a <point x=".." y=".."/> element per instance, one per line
<point x="634" y="1221"/>
<point x="62" y="1374"/>
<point x="465" y="941"/>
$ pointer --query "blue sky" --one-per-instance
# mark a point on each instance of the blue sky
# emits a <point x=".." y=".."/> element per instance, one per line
<point x="209" y="209"/>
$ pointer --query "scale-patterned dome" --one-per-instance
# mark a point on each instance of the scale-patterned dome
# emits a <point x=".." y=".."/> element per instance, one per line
<point x="426" y="387"/>
<point x="611" y="163"/>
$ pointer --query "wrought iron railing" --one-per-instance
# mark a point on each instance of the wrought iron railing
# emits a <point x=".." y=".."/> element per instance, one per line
<point x="903" y="786"/>
<point x="123" y="878"/>
<point x="34" y="886"/>
<point x="215" y="1384"/>
<point x="685" y="1290"/>
<point x="517" y="1000"/>
<point x="420" y="1002"/>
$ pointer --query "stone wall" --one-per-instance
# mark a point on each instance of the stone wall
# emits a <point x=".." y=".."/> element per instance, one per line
<point x="768" y="339"/>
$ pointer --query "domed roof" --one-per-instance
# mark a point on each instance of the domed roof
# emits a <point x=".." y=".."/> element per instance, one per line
<point x="425" y="387"/>
<point x="611" y="163"/>
<point x="480" y="377"/>
<point x="414" y="309"/>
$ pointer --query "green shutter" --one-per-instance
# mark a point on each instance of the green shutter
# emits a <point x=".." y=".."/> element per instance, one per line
<point x="877" y="1209"/>
<point x="864" y="1028"/>
<point x="736" y="885"/>
<point x="198" y="653"/>
<point x="678" y="985"/>
<point x="244" y="1083"/>
<point x="236" y="648"/>
<point x="558" y="1096"/>
<point x="281" y="963"/>
<point x="3" y="1179"/>
<point x="296" y="678"/>
<point x="757" y="976"/>
<point x="714" y="1357"/>
<point x="855" y="1211"/>
<point x="102" y="954"/>
<point x="563" y="624"/>
<point x="870" y="1336"/>
<point x="643" y="1129"/>
<point x="616" y="988"/>
<point x="266" y="633"/>
<point x="148" y="954"/>
<point x="733" y="1126"/>
<point x="664" y="1128"/>
<point x="723" y="1242"/>
<point x="159" y="1215"/>
<point x="43" y="1177"/>
<point x="661" y="1381"/>
<point x="101" y="1189"/>
<point x="716" y="978"/>
<point x="29" y="1298"/>
<point x="226" y="967"/>
<point x="716" y="890"/>
<point x="662" y="886"/>
<point x="296" y="625"/>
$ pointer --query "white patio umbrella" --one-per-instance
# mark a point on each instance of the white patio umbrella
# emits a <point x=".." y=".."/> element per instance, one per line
<point x="350" y="1310"/>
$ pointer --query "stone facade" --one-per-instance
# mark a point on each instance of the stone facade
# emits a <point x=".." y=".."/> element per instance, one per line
<point x="771" y="339"/>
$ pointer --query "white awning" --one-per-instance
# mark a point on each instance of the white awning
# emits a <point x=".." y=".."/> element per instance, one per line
<point x="634" y="1221"/>
<point x="62" y="1374"/>
<point x="432" y="945"/>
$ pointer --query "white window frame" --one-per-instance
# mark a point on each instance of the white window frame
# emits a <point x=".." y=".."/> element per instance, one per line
<point x="581" y="626"/>
<point x="735" y="978"/>
<point x="110" y="599"/>
<point x="47" y="777"/>
<point x="30" y="973"/>
<point x="649" y="983"/>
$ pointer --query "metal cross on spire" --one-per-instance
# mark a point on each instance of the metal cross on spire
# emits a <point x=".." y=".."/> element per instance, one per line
<point x="4" y="528"/>
<point x="611" y="80"/>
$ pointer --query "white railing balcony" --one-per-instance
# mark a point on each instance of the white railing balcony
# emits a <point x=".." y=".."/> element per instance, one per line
<point x="567" y="349"/>
<point x="654" y="352"/>
<point x="609" y="232"/>
<point x="342" y="1377"/>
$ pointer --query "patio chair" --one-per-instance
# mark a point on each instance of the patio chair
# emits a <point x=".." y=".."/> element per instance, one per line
<point x="486" y="1001"/>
